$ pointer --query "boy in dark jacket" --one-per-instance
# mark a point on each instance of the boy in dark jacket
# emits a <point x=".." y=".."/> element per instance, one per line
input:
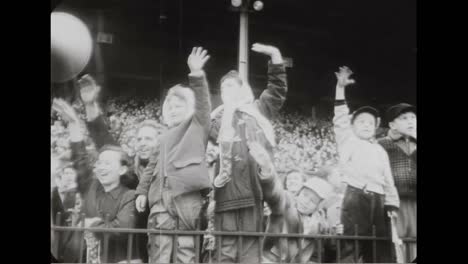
<point x="148" y="134"/>
<point x="174" y="183"/>
<point x="238" y="193"/>
<point x="102" y="192"/>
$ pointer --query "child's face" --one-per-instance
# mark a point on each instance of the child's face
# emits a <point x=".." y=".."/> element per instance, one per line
<point x="66" y="180"/>
<point x="405" y="124"/>
<point x="307" y="201"/>
<point x="364" y="126"/>
<point x="108" y="167"/>
<point x="230" y="91"/>
<point x="294" y="182"/>
<point x="177" y="110"/>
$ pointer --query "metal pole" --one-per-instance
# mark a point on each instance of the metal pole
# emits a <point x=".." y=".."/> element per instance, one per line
<point x="162" y="50"/>
<point x="98" y="54"/>
<point x="244" y="44"/>
<point x="181" y="33"/>
<point x="106" y="240"/>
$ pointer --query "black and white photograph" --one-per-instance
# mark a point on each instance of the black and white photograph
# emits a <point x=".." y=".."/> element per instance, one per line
<point x="233" y="131"/>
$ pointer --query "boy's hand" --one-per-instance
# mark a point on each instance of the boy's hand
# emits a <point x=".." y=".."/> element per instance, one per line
<point x="266" y="210"/>
<point x="343" y="77"/>
<point x="197" y="59"/>
<point x="392" y="213"/>
<point x="65" y="111"/>
<point x="339" y="229"/>
<point x="141" y="203"/>
<point x="89" y="90"/>
<point x="271" y="51"/>
<point x="90" y="221"/>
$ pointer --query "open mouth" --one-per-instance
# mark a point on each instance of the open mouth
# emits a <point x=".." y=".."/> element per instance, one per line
<point x="144" y="151"/>
<point x="102" y="174"/>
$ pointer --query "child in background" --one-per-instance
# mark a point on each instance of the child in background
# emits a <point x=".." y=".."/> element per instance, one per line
<point x="400" y="145"/>
<point x="294" y="181"/>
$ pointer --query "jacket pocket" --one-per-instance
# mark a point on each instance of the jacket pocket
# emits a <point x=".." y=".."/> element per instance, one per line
<point x="184" y="163"/>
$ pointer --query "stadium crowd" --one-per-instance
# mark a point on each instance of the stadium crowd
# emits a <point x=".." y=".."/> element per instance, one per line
<point x="302" y="143"/>
<point x="268" y="171"/>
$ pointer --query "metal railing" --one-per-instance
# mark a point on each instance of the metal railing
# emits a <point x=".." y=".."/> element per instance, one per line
<point x="219" y="236"/>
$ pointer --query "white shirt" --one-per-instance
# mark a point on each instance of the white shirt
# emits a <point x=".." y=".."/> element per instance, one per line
<point x="365" y="164"/>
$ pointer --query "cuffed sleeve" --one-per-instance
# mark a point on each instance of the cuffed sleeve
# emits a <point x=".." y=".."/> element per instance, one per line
<point x="148" y="173"/>
<point x="82" y="165"/>
<point x="272" y="99"/>
<point x="274" y="194"/>
<point x="199" y="84"/>
<point x="99" y="132"/>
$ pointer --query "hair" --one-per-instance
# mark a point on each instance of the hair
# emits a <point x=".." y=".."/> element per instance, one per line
<point x="151" y="123"/>
<point x="128" y="179"/>
<point x="183" y="93"/>
<point x="245" y="90"/>
<point x="124" y="159"/>
<point x="233" y="74"/>
<point x="293" y="171"/>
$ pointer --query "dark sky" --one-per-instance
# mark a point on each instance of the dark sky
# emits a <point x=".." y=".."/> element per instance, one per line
<point x="376" y="39"/>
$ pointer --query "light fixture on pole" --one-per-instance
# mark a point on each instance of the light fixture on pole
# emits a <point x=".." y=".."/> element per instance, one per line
<point x="236" y="3"/>
<point x="258" y="5"/>
<point x="244" y="8"/>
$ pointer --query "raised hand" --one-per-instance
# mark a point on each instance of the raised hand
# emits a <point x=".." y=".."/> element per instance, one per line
<point x="343" y="76"/>
<point x="89" y="90"/>
<point x="264" y="49"/>
<point x="339" y="229"/>
<point x="392" y="213"/>
<point x="271" y="51"/>
<point x="197" y="59"/>
<point x="88" y="222"/>
<point x="65" y="110"/>
<point x="141" y="203"/>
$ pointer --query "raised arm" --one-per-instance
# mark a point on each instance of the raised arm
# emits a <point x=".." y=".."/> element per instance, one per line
<point x="80" y="157"/>
<point x="273" y="191"/>
<point x="196" y="61"/>
<point x="142" y="190"/>
<point x="341" y="119"/>
<point x="98" y="130"/>
<point x="272" y="99"/>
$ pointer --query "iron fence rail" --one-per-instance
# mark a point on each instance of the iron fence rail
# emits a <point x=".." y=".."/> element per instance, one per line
<point x="219" y="236"/>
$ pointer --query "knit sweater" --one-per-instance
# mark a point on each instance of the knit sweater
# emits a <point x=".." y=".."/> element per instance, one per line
<point x="403" y="166"/>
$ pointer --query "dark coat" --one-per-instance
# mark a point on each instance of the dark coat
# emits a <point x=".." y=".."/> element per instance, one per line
<point x="181" y="162"/>
<point x="244" y="189"/>
<point x="119" y="204"/>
